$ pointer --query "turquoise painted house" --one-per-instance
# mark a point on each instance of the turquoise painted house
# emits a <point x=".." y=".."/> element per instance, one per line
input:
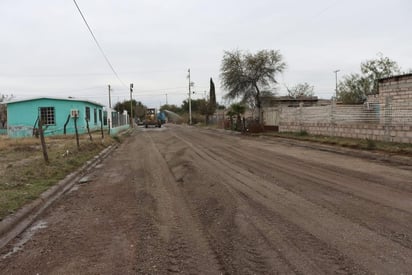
<point x="57" y="114"/>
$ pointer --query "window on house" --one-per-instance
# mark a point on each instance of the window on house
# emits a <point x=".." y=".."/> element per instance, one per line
<point x="100" y="116"/>
<point x="88" y="113"/>
<point x="95" y="116"/>
<point x="105" y="118"/>
<point x="47" y="115"/>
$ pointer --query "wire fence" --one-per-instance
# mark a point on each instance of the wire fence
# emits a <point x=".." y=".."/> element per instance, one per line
<point x="119" y="119"/>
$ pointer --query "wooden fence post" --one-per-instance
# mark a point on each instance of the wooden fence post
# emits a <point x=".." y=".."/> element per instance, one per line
<point x="43" y="142"/>
<point x="77" y="133"/>
<point x="88" y="130"/>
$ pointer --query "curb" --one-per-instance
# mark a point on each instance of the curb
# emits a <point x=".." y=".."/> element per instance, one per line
<point x="377" y="156"/>
<point x="16" y="223"/>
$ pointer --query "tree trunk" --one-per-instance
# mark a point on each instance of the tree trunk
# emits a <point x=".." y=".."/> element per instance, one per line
<point x="238" y="123"/>
<point x="259" y="105"/>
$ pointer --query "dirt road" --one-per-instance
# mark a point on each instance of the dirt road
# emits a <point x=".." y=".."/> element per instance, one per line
<point x="184" y="200"/>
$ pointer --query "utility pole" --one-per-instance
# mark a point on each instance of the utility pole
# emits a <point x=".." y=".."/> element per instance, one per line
<point x="190" y="100"/>
<point x="166" y="100"/>
<point x="131" y="105"/>
<point x="336" y="81"/>
<point x="110" y="99"/>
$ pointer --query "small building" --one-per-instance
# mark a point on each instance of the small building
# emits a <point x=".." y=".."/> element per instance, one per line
<point x="288" y="101"/>
<point x="395" y="100"/>
<point x="398" y="88"/>
<point x="57" y="114"/>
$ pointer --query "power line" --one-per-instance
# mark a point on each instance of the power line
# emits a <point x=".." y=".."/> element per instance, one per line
<point x="98" y="45"/>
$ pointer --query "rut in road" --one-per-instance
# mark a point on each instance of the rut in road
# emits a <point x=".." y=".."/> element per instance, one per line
<point x="337" y="189"/>
<point x="277" y="244"/>
<point x="331" y="226"/>
<point x="178" y="240"/>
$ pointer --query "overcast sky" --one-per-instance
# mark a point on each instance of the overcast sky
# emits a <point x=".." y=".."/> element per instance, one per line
<point x="46" y="49"/>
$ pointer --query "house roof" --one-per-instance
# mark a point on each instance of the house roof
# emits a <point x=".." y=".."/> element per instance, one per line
<point x="289" y="98"/>
<point x="54" y="98"/>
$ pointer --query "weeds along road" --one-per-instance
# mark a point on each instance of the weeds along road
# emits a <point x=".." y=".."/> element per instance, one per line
<point x="186" y="200"/>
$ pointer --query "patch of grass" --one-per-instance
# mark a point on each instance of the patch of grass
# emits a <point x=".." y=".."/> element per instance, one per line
<point x="25" y="175"/>
<point x="370" y="144"/>
<point x="303" y="133"/>
<point x="363" y="144"/>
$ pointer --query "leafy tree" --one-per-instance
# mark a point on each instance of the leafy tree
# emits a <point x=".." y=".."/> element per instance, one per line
<point x="301" y="90"/>
<point x="351" y="89"/>
<point x="245" y="75"/>
<point x="237" y="109"/>
<point x="139" y="109"/>
<point x="354" y="88"/>
<point x="198" y="106"/>
<point x="375" y="69"/>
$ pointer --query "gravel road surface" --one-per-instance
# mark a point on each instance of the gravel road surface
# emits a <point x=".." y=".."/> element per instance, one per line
<point x="185" y="200"/>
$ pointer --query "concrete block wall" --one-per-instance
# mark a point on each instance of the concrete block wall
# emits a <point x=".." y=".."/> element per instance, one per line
<point x="398" y="88"/>
<point x="396" y="92"/>
<point x="387" y="117"/>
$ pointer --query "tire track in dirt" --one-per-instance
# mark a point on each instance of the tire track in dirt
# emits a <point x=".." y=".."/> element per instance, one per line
<point x="315" y="220"/>
<point x="341" y="201"/>
<point x="328" y="192"/>
<point x="217" y="211"/>
<point x="185" y="248"/>
<point x="318" y="259"/>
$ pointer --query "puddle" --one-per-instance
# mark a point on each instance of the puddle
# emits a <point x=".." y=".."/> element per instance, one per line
<point x="25" y="237"/>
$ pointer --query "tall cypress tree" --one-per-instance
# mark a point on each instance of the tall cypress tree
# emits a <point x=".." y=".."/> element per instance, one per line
<point x="212" y="101"/>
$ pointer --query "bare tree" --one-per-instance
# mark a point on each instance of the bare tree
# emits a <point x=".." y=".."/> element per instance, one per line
<point x="301" y="89"/>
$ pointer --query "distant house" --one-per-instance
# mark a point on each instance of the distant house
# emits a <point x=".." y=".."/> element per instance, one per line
<point x="57" y="114"/>
<point x="288" y="101"/>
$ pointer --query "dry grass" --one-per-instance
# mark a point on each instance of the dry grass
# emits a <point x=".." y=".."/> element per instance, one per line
<point x="389" y="147"/>
<point x="24" y="175"/>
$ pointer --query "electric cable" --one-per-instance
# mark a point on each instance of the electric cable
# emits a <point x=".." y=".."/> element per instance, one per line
<point x="98" y="44"/>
